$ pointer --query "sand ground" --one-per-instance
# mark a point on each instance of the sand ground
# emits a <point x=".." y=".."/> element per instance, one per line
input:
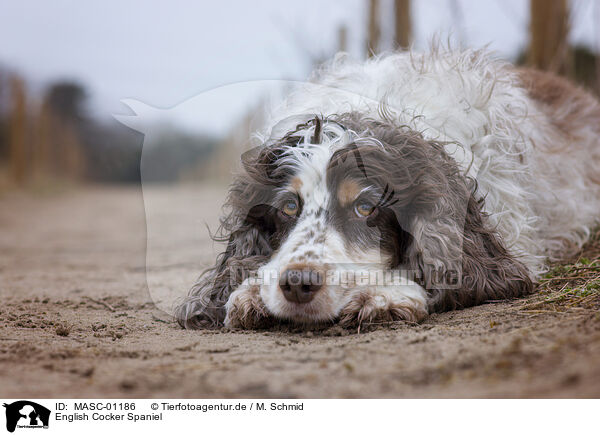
<point x="77" y="320"/>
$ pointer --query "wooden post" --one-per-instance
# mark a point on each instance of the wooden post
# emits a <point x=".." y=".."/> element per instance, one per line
<point x="403" y="27"/>
<point x="548" y="48"/>
<point x="17" y="131"/>
<point x="373" y="34"/>
<point x="342" y="38"/>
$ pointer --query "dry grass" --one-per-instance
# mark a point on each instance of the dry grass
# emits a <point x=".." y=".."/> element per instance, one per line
<point x="571" y="285"/>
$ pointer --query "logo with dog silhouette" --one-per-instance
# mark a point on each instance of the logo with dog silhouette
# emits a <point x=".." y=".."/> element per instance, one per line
<point x="25" y="414"/>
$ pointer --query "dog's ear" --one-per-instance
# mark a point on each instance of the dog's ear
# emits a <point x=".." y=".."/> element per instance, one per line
<point x="247" y="228"/>
<point x="488" y="271"/>
<point x="248" y="248"/>
<point x="442" y="234"/>
<point x="452" y="249"/>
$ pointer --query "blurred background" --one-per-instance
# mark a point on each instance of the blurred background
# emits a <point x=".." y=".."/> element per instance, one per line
<point x="66" y="65"/>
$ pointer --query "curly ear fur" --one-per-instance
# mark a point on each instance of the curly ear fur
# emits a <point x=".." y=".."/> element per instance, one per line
<point x="251" y="238"/>
<point x="489" y="272"/>
<point x="248" y="248"/>
<point x="451" y="240"/>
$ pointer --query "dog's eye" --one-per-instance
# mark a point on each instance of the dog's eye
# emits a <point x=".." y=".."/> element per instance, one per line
<point x="290" y="208"/>
<point x="363" y="209"/>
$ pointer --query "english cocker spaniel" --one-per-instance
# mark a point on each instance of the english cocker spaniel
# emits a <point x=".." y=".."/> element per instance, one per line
<point x="404" y="185"/>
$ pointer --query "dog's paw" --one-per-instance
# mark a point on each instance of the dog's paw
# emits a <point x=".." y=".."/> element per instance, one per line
<point x="246" y="310"/>
<point x="371" y="306"/>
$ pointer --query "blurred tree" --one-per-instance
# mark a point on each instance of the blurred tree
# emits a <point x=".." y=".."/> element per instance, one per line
<point x="82" y="147"/>
<point x="63" y="110"/>
<point x="67" y="100"/>
<point x="173" y="153"/>
<point x="113" y="151"/>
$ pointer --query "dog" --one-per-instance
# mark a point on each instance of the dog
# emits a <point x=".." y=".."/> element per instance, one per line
<point x="408" y="184"/>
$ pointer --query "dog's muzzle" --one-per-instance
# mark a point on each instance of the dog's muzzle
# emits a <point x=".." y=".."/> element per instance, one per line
<point x="300" y="285"/>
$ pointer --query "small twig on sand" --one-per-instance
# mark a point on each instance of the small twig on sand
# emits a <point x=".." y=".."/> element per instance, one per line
<point x="542" y="312"/>
<point x="158" y="319"/>
<point x="105" y="304"/>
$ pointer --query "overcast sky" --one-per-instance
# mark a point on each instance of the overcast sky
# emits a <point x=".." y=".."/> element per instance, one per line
<point x="165" y="52"/>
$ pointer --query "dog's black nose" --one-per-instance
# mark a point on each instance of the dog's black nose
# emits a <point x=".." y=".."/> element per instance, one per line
<point x="301" y="285"/>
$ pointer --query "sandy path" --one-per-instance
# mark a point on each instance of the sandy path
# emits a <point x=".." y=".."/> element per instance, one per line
<point x="77" y="319"/>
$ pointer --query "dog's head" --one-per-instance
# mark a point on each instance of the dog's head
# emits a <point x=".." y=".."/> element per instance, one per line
<point x="321" y="208"/>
